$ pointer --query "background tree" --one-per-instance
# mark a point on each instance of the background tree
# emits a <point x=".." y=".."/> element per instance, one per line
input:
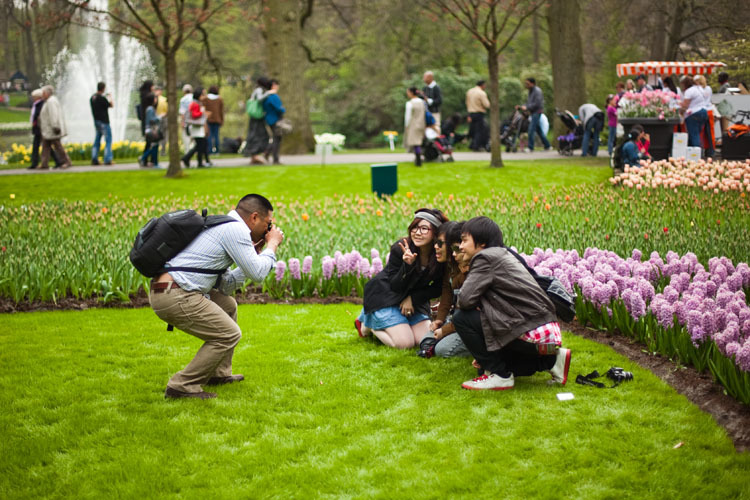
<point x="566" y="55"/>
<point x="493" y="23"/>
<point x="164" y="25"/>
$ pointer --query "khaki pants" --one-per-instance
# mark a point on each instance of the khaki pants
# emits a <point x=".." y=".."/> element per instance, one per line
<point x="214" y="321"/>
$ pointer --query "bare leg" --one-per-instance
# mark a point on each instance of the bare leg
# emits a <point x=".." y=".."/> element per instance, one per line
<point x="399" y="336"/>
<point x="420" y="330"/>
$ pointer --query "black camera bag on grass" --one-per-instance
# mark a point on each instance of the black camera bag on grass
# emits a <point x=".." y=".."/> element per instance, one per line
<point x="164" y="237"/>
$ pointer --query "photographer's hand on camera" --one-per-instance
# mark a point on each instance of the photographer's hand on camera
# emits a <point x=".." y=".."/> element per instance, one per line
<point x="274" y="237"/>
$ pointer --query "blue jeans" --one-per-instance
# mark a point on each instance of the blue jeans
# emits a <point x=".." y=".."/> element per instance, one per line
<point x="102" y="129"/>
<point x="151" y="150"/>
<point x="213" y="138"/>
<point x="592" y="129"/>
<point x="535" y="128"/>
<point x="611" y="139"/>
<point x="694" y="124"/>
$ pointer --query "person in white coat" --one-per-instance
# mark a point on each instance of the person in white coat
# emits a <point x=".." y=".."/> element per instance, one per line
<point x="52" y="123"/>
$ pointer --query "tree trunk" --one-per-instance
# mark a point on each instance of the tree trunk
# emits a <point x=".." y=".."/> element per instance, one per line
<point x="32" y="73"/>
<point x="535" y="34"/>
<point x="566" y="54"/>
<point x="659" y="34"/>
<point x="679" y="13"/>
<point x="496" y="159"/>
<point x="5" y="68"/>
<point x="175" y="168"/>
<point x="286" y="62"/>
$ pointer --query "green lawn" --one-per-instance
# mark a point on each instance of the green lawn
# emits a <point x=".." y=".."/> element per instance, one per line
<point x="462" y="178"/>
<point x="325" y="414"/>
<point x="12" y="115"/>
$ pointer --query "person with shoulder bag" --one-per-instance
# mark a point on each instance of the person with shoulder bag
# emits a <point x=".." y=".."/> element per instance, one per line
<point x="195" y="125"/>
<point x="152" y="133"/>
<point x="257" y="135"/>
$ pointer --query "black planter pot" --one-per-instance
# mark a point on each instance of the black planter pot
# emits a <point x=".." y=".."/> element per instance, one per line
<point x="660" y="132"/>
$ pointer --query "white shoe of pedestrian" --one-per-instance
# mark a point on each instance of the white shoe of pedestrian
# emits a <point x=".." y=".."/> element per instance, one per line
<point x="527" y="150"/>
<point x="490" y="381"/>
<point x="559" y="371"/>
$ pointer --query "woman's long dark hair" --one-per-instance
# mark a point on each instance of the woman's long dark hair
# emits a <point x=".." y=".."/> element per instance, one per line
<point x="433" y="263"/>
<point x="451" y="231"/>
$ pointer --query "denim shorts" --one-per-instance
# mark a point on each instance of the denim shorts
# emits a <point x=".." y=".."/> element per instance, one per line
<point x="388" y="317"/>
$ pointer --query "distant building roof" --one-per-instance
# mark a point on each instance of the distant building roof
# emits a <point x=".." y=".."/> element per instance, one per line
<point x="18" y="76"/>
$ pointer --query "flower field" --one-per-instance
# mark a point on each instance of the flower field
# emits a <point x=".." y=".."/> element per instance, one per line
<point x="20" y="153"/>
<point x="678" y="173"/>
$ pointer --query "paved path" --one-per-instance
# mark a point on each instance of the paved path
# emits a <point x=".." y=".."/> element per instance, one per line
<point x="368" y="158"/>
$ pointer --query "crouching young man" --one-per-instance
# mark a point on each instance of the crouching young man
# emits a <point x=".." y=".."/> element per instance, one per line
<point x="198" y="304"/>
<point x="505" y="319"/>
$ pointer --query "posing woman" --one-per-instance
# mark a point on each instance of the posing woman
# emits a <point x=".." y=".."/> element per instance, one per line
<point x="151" y="130"/>
<point x="195" y="120"/>
<point x="397" y="299"/>
<point x="414" y="124"/>
<point x="442" y="339"/>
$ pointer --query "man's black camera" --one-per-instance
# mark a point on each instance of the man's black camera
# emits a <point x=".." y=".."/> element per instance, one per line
<point x="619" y="375"/>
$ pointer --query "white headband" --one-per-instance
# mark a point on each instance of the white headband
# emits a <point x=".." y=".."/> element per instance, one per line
<point x="429" y="218"/>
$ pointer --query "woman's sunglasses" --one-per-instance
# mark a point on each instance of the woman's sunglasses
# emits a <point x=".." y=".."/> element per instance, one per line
<point x="456" y="248"/>
<point x="439" y="243"/>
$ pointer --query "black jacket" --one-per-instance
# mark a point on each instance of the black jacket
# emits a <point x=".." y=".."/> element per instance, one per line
<point x="399" y="280"/>
<point x="436" y="96"/>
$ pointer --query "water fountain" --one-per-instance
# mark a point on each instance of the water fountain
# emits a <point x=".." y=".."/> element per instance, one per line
<point x="122" y="66"/>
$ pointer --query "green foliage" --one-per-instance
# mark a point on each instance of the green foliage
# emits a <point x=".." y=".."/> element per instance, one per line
<point x="323" y="413"/>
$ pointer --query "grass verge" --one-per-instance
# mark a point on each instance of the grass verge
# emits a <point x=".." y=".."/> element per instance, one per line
<point x="465" y="178"/>
<point x="323" y="413"/>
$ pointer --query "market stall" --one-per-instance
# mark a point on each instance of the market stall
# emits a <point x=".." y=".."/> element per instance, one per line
<point x="659" y="125"/>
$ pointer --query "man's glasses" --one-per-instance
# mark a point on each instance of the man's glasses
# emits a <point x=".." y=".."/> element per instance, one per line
<point x="421" y="229"/>
<point x="439" y="243"/>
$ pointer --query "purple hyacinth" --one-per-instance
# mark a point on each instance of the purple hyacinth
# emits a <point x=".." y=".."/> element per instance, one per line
<point x="636" y="255"/>
<point x="734" y="282"/>
<point x="342" y="265"/>
<point x="646" y="290"/>
<point x="328" y="265"/>
<point x="732" y="349"/>
<point x="743" y="356"/>
<point x="711" y="288"/>
<point x="280" y="268"/>
<point x="307" y="264"/>
<point x="671" y="294"/>
<point x="364" y="268"/>
<point x="374" y="254"/>
<point x="746" y="328"/>
<point x="294" y="269"/>
<point x="665" y="315"/>
<point x="377" y="265"/>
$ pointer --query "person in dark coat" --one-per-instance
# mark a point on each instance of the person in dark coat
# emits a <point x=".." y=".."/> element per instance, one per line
<point x="257" y="133"/>
<point x="396" y="306"/>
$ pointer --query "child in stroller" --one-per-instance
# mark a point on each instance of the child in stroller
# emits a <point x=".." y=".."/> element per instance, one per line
<point x="573" y="139"/>
<point x="511" y="129"/>
<point x="436" y="147"/>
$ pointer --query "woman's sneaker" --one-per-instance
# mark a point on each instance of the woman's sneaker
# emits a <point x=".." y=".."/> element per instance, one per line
<point x="560" y="369"/>
<point x="490" y="381"/>
<point x="362" y="330"/>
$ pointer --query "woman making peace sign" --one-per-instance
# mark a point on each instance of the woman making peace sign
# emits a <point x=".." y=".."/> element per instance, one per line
<point x="397" y="299"/>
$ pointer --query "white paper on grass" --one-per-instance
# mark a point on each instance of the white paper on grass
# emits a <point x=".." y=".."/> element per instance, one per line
<point x="565" y="396"/>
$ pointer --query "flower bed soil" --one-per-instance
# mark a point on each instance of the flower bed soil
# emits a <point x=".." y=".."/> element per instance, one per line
<point x="699" y="388"/>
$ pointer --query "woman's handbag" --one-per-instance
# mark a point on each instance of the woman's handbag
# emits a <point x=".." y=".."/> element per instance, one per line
<point x="153" y="132"/>
<point x="284" y="127"/>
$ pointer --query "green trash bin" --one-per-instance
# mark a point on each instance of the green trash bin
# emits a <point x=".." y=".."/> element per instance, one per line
<point x="384" y="178"/>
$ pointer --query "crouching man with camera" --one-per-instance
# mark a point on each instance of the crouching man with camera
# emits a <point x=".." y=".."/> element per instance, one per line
<point x="505" y="319"/>
<point x="198" y="303"/>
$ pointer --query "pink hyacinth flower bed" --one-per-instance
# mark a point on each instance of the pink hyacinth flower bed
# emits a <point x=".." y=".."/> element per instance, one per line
<point x="674" y="305"/>
<point x="677" y="172"/>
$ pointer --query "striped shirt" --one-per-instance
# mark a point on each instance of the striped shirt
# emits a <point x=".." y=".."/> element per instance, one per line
<point x="217" y="248"/>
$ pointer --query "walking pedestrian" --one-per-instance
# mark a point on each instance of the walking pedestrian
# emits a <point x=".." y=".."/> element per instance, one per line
<point x="53" y="128"/>
<point x="433" y="95"/>
<point x="414" y="124"/>
<point x="215" y="108"/>
<point x="187" y="98"/>
<point x="100" y="104"/>
<point x="257" y="133"/>
<point x="535" y="107"/>
<point x="275" y="110"/>
<point x="36" y="130"/>
<point x="477" y="104"/>
<point x="195" y="120"/>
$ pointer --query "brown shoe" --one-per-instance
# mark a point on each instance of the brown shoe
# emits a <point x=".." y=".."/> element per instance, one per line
<point x="174" y="394"/>
<point x="225" y="380"/>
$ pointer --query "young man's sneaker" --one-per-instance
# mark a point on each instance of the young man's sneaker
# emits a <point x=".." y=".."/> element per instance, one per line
<point x="490" y="381"/>
<point x="559" y="371"/>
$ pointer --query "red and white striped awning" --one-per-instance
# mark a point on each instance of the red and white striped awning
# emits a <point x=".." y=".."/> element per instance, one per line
<point x="668" y="68"/>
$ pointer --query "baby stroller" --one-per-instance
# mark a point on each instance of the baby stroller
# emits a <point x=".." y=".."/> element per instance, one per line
<point x="511" y="129"/>
<point x="436" y="147"/>
<point x="573" y="139"/>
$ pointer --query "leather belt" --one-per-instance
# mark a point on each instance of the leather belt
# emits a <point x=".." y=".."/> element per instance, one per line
<point x="163" y="286"/>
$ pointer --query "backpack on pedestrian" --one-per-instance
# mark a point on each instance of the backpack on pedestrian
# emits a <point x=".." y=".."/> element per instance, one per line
<point x="162" y="238"/>
<point x="254" y="108"/>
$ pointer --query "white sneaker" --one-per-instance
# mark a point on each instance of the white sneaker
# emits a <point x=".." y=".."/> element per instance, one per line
<point x="489" y="381"/>
<point x="527" y="150"/>
<point x="559" y="372"/>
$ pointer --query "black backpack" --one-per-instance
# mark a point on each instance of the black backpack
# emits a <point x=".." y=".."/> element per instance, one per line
<point x="164" y="237"/>
<point x="564" y="302"/>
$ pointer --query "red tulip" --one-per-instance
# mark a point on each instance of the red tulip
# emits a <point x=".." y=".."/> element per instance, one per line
<point x="666" y="230"/>
<point x="538" y="225"/>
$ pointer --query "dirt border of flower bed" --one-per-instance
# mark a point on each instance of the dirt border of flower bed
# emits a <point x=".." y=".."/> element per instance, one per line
<point x="698" y="388"/>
